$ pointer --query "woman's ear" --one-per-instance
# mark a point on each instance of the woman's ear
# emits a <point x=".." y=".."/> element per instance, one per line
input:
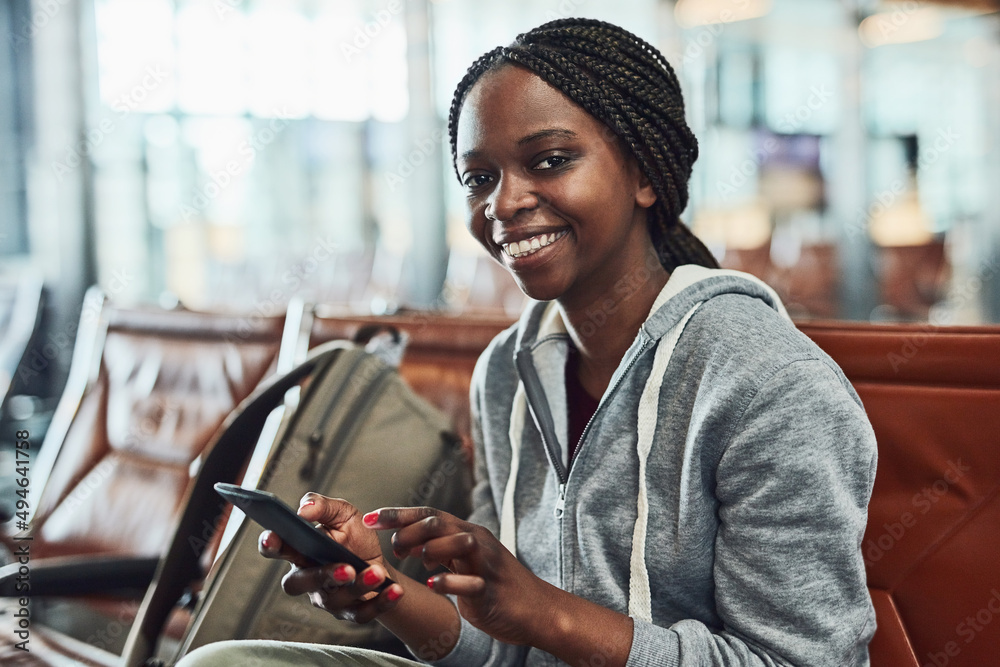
<point x="645" y="196"/>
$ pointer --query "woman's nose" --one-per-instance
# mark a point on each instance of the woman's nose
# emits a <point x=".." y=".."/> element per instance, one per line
<point x="511" y="196"/>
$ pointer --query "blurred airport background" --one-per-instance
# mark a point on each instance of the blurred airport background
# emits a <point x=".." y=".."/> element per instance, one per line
<point x="234" y="154"/>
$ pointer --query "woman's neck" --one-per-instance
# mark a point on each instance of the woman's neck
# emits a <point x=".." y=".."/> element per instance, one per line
<point x="603" y="329"/>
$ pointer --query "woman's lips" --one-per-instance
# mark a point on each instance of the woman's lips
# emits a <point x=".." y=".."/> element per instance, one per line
<point x="532" y="244"/>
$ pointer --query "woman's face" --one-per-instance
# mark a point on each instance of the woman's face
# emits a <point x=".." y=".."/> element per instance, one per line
<point x="552" y="196"/>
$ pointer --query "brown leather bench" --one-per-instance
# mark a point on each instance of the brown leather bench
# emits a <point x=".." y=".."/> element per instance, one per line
<point x="932" y="397"/>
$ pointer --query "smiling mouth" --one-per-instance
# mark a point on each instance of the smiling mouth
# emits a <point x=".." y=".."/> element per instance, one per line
<point x="531" y="245"/>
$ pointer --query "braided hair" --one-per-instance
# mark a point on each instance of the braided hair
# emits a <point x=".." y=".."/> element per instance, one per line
<point x="627" y="84"/>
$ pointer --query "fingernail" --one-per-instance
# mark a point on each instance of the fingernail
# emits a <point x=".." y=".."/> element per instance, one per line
<point x="430" y="582"/>
<point x="267" y="541"/>
<point x="307" y="503"/>
<point x="371" y="577"/>
<point x="371" y="518"/>
<point x="341" y="574"/>
<point x="392" y="595"/>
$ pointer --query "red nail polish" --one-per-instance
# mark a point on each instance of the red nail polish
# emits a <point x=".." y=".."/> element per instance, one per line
<point x="392" y="595"/>
<point x="371" y="577"/>
<point x="341" y="574"/>
<point x="268" y="541"/>
<point x="430" y="582"/>
<point x="371" y="518"/>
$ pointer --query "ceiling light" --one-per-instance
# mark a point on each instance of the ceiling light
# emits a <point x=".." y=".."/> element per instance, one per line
<point x="693" y="13"/>
<point x="908" y="23"/>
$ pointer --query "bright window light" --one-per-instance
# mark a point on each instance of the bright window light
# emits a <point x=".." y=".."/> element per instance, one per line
<point x="211" y="60"/>
<point x="136" y="64"/>
<point x="278" y="43"/>
<point x="339" y="73"/>
<point x="334" y="61"/>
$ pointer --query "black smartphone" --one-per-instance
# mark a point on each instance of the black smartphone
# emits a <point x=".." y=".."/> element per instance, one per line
<point x="269" y="511"/>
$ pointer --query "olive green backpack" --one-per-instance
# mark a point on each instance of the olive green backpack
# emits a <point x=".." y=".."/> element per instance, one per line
<point x="358" y="432"/>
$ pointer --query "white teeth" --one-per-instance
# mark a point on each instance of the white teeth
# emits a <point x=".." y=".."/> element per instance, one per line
<point x="532" y="245"/>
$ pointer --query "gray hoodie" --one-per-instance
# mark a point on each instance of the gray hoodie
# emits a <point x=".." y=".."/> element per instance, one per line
<point x="718" y="496"/>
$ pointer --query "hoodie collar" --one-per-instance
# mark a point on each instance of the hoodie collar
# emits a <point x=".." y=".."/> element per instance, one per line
<point x="688" y="284"/>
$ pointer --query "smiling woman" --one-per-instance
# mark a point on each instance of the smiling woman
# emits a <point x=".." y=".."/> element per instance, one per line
<point x="599" y="96"/>
<point x="691" y="485"/>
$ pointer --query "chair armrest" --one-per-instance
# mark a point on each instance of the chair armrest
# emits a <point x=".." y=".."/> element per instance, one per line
<point x="78" y="575"/>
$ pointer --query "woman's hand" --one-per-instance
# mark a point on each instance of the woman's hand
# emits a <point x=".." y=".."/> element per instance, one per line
<point x="496" y="593"/>
<point x="337" y="588"/>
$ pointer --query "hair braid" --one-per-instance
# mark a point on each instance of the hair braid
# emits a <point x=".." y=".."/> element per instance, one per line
<point x="628" y="85"/>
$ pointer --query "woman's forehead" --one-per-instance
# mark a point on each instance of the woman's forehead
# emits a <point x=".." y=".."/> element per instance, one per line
<point x="512" y="102"/>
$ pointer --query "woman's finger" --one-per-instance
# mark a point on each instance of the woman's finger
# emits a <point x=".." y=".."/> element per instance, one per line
<point x="415" y="534"/>
<point x="331" y="512"/>
<point x="398" y="517"/>
<point x="270" y="545"/>
<point x="457" y="584"/>
<point x="327" y="579"/>
<point x="383" y="602"/>
<point x="341" y="580"/>
<point x="444" y="550"/>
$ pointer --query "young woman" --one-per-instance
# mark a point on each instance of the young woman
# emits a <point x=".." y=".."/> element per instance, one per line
<point x="668" y="472"/>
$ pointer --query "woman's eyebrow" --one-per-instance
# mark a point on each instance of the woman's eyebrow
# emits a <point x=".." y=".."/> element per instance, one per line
<point x="550" y="133"/>
<point x="553" y="133"/>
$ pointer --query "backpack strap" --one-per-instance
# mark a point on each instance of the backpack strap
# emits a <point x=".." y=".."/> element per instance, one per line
<point x="203" y="507"/>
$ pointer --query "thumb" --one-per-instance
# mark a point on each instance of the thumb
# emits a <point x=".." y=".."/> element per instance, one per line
<point x="331" y="512"/>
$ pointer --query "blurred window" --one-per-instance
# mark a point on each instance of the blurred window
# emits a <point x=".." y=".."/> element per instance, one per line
<point x="251" y="139"/>
<point x="266" y="145"/>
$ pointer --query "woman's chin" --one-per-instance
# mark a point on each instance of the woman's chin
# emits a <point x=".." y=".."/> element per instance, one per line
<point x="539" y="290"/>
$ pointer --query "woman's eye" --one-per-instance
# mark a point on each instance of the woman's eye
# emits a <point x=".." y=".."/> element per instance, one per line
<point x="476" y="180"/>
<point x="551" y="162"/>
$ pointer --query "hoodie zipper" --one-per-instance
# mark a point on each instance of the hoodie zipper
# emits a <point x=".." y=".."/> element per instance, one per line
<point x="542" y="415"/>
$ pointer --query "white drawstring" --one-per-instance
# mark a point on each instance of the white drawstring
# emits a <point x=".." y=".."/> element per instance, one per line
<point x="508" y="527"/>
<point x="639" y="597"/>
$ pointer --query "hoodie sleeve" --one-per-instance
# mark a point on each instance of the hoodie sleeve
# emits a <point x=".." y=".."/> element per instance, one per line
<point x="793" y="486"/>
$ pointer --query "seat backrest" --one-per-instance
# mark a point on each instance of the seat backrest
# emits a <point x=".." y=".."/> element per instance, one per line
<point x="147" y="390"/>
<point x="932" y="543"/>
